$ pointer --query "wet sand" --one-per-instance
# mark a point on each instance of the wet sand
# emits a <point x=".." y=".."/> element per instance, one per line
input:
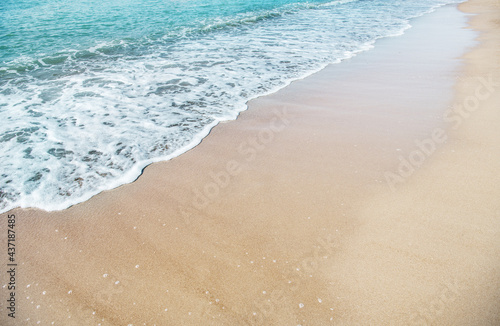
<point x="365" y="194"/>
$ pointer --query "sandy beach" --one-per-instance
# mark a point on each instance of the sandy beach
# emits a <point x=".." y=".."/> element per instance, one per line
<point x="365" y="194"/>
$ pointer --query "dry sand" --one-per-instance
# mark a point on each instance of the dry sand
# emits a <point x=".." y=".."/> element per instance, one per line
<point x="316" y="219"/>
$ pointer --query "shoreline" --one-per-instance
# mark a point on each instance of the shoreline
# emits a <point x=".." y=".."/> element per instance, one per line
<point x="298" y="224"/>
<point x="137" y="170"/>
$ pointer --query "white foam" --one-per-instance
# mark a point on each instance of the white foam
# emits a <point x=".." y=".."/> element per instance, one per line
<point x="99" y="122"/>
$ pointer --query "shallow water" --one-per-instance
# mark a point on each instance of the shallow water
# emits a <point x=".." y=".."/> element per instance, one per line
<point x="91" y="92"/>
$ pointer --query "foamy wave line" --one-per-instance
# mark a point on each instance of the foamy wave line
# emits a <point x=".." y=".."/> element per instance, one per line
<point x="135" y="171"/>
<point x="129" y="177"/>
<point x="34" y="201"/>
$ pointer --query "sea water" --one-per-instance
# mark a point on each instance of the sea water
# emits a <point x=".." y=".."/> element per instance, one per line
<point x="93" y="91"/>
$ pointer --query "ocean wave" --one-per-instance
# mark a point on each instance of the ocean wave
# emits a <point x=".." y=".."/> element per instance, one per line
<point x="81" y="121"/>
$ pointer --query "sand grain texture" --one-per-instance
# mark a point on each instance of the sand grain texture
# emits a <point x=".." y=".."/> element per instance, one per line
<point x="302" y="226"/>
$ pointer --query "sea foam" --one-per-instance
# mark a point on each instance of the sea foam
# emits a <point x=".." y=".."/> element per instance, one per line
<point x="82" y="120"/>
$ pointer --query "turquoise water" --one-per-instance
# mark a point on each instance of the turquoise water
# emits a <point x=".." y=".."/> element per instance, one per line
<point x="38" y="28"/>
<point x="93" y="91"/>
